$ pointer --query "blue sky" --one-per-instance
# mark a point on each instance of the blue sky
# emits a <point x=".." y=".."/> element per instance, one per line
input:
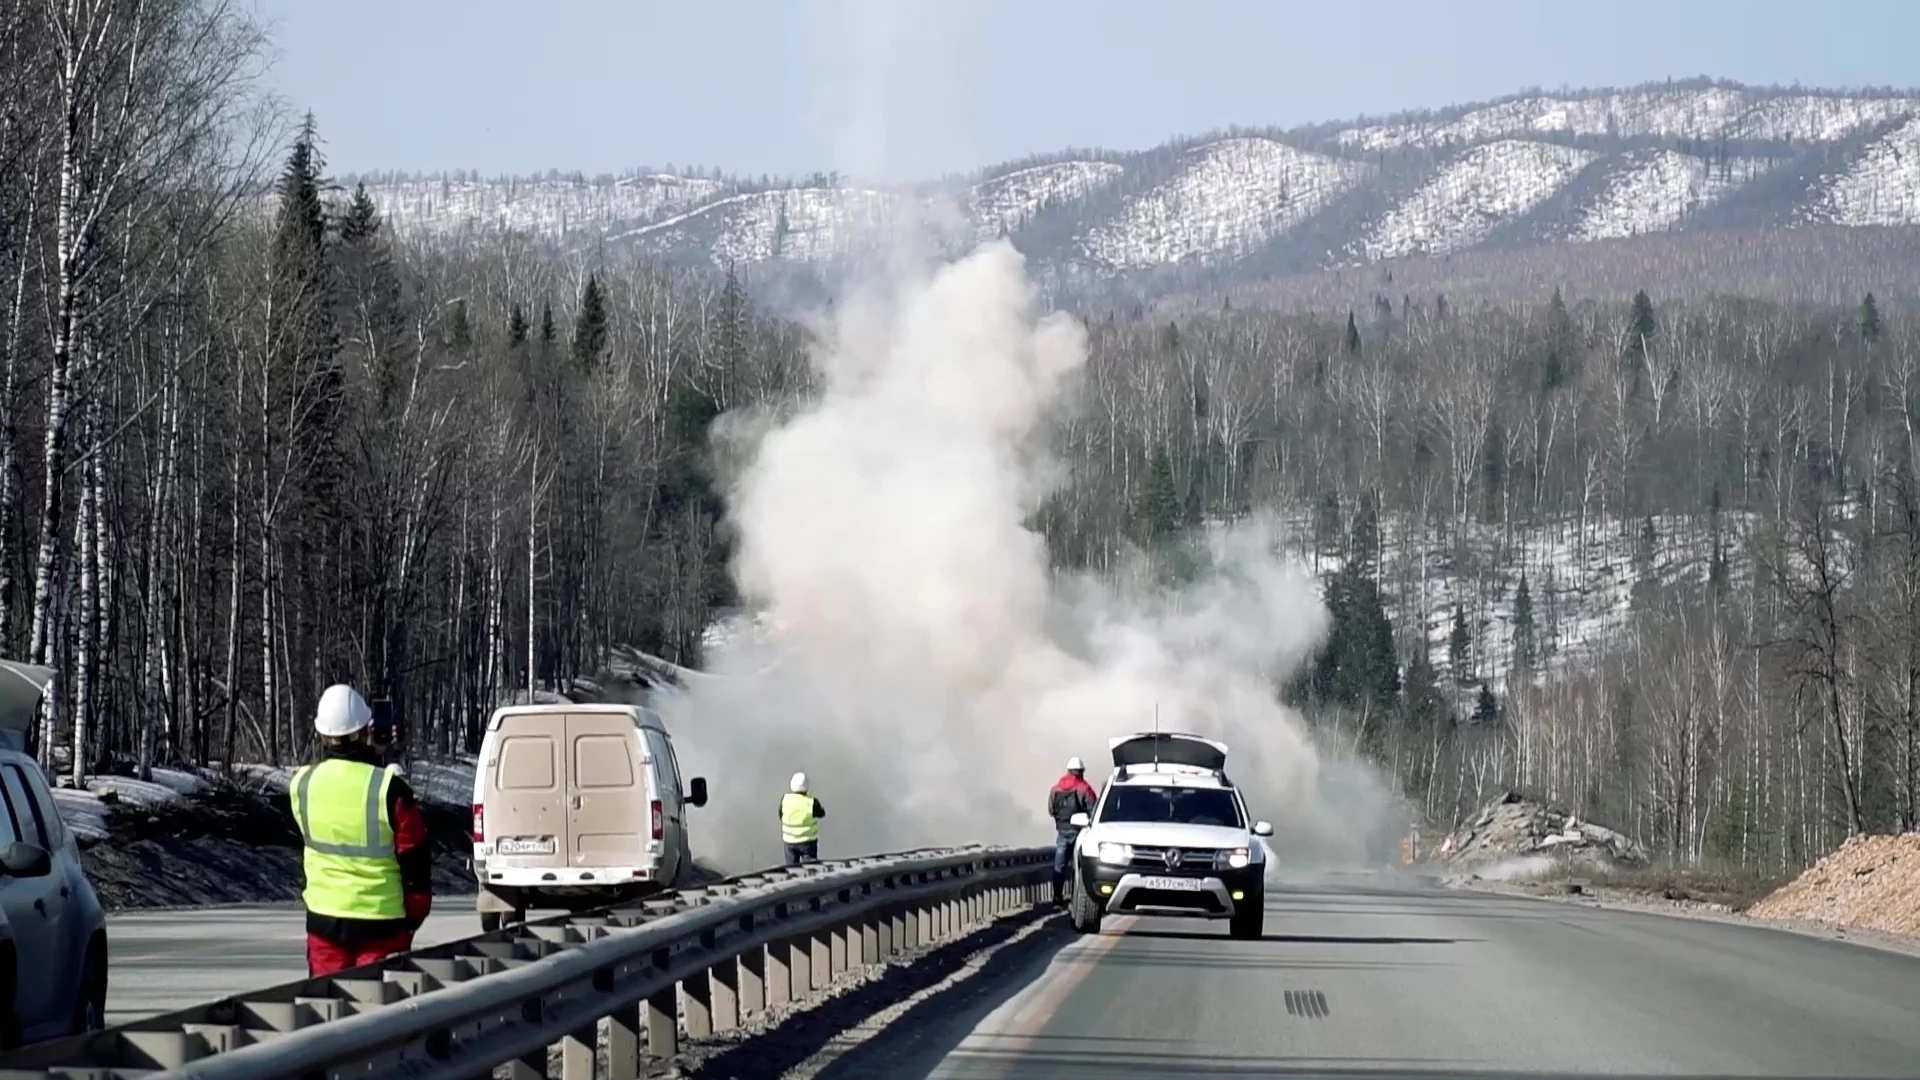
<point x="911" y="88"/>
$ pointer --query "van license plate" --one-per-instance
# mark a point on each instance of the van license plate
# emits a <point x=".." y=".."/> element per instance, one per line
<point x="1174" y="884"/>
<point x="524" y="845"/>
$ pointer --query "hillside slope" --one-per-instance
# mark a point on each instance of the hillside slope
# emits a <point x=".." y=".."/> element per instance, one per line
<point x="1524" y="171"/>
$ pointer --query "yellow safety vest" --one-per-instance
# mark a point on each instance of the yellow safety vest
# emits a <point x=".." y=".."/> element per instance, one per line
<point x="352" y="871"/>
<point x="797" y="823"/>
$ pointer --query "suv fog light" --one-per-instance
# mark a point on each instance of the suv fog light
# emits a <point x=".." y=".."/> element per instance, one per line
<point x="1238" y="895"/>
<point x="1106" y="890"/>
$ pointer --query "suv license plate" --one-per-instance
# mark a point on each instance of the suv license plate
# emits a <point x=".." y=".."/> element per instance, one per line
<point x="524" y="845"/>
<point x="1174" y="884"/>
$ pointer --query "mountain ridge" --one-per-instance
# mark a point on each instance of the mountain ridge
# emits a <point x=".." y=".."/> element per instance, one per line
<point x="1528" y="169"/>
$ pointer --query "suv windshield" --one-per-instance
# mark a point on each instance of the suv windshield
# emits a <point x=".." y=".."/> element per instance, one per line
<point x="1180" y="805"/>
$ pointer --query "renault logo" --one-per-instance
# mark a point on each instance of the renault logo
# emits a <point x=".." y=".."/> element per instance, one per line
<point x="1172" y="858"/>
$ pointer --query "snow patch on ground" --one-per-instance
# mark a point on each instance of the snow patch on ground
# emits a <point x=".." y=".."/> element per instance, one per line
<point x="810" y="224"/>
<point x="1472" y="195"/>
<point x="1657" y="190"/>
<point x="1883" y="186"/>
<point x="1228" y="198"/>
<point x="446" y="784"/>
<point x="556" y="208"/>
<point x="1005" y="203"/>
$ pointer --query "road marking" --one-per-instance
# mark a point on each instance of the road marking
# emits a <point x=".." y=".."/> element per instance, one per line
<point x="1028" y="1011"/>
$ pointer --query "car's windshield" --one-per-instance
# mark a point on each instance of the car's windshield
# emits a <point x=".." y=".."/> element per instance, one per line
<point x="1181" y="805"/>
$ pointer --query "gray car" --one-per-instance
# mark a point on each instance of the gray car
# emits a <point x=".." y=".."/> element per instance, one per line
<point x="53" y="932"/>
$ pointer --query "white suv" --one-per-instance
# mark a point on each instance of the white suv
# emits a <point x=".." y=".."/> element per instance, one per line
<point x="1171" y="836"/>
<point x="53" y="932"/>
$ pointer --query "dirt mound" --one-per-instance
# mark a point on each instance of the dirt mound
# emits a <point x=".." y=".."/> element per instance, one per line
<point x="231" y="843"/>
<point x="1870" y="882"/>
<point x="1515" y="837"/>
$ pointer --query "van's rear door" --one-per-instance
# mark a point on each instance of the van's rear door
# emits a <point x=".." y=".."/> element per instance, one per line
<point x="526" y="804"/>
<point x="608" y="819"/>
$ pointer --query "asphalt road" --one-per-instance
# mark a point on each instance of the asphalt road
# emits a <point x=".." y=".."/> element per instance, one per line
<point x="167" y="960"/>
<point x="1368" y="980"/>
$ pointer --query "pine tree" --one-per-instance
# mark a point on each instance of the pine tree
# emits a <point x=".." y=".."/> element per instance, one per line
<point x="1353" y="335"/>
<point x="517" y="326"/>
<point x="460" y="327"/>
<point x="1326" y="523"/>
<point x="1486" y="708"/>
<point x="1426" y="706"/>
<point x="1869" y="320"/>
<point x="590" y="326"/>
<point x="1159" y="509"/>
<point x="1523" y="639"/>
<point x="549" y="334"/>
<point x="1460" y="649"/>
<point x="1553" y="370"/>
<point x="1641" y="326"/>
<point x="362" y="220"/>
<point x="1365" y="553"/>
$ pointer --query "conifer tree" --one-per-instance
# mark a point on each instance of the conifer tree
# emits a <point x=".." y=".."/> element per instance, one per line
<point x="1353" y="335"/>
<point x="590" y="326"/>
<point x="549" y="334"/>
<point x="1460" y="649"/>
<point x="1641" y="326"/>
<point x="1523" y="639"/>
<point x="1486" y="708"/>
<point x="1159" y="510"/>
<point x="517" y="326"/>
<point x="1869" y="320"/>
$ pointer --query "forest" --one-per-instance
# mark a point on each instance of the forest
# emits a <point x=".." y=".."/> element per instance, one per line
<point x="254" y="444"/>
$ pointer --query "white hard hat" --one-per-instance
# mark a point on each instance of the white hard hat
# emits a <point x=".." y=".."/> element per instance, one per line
<point x="1074" y="764"/>
<point x="799" y="782"/>
<point x="342" y="712"/>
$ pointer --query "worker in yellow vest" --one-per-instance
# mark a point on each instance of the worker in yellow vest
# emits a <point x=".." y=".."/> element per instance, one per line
<point x="800" y="815"/>
<point x="368" y="868"/>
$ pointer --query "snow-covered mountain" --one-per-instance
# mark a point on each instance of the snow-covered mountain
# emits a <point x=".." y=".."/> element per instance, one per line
<point x="1531" y="169"/>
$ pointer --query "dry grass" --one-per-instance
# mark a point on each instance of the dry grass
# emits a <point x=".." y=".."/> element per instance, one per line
<point x="1733" y="888"/>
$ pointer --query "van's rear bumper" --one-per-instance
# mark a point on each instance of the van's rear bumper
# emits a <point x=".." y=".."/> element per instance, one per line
<point x="540" y="877"/>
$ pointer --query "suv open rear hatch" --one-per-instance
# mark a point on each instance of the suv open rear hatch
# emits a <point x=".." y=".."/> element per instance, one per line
<point x="1168" y="748"/>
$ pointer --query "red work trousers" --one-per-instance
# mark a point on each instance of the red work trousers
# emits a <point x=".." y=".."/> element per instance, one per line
<point x="330" y="957"/>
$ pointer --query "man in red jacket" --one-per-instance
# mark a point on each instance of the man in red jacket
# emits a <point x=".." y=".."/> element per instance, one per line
<point x="369" y="870"/>
<point x="1070" y="795"/>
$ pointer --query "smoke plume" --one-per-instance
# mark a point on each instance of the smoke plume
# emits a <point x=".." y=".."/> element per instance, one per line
<point x="923" y="664"/>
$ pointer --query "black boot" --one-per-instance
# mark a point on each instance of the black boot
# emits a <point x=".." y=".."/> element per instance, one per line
<point x="1059" y="893"/>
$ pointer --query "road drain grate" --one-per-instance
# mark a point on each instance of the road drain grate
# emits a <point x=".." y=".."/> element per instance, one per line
<point x="1308" y="1003"/>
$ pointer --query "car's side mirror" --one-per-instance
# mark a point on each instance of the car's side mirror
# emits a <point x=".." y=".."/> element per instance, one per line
<point x="1080" y="821"/>
<point x="1263" y="828"/>
<point x="23" y="860"/>
<point x="697" y="791"/>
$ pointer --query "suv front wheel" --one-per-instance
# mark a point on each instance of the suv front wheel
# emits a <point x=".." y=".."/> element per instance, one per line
<point x="1249" y="919"/>
<point x="1082" y="908"/>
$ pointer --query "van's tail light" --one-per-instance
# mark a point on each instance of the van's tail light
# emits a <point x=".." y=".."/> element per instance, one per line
<point x="659" y="820"/>
<point x="479" y="823"/>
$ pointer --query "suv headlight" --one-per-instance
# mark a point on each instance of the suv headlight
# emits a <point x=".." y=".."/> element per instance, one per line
<point x="1237" y="859"/>
<point x="1115" y="854"/>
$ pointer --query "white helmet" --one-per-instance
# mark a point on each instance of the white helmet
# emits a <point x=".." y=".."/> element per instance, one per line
<point x="342" y="712"/>
<point x="1074" y="764"/>
<point x="798" y="783"/>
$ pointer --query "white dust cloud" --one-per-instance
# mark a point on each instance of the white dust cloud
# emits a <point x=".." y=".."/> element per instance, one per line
<point x="928" y="670"/>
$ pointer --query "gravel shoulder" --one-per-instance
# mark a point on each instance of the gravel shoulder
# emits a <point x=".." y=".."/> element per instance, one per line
<point x="1625" y="899"/>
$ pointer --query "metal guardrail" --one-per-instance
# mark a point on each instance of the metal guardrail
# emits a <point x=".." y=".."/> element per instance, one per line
<point x="628" y="978"/>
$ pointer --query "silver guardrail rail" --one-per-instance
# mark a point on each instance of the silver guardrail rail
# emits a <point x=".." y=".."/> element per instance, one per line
<point x="627" y="979"/>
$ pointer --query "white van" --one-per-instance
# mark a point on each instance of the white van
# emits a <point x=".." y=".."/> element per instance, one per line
<point x="576" y="806"/>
